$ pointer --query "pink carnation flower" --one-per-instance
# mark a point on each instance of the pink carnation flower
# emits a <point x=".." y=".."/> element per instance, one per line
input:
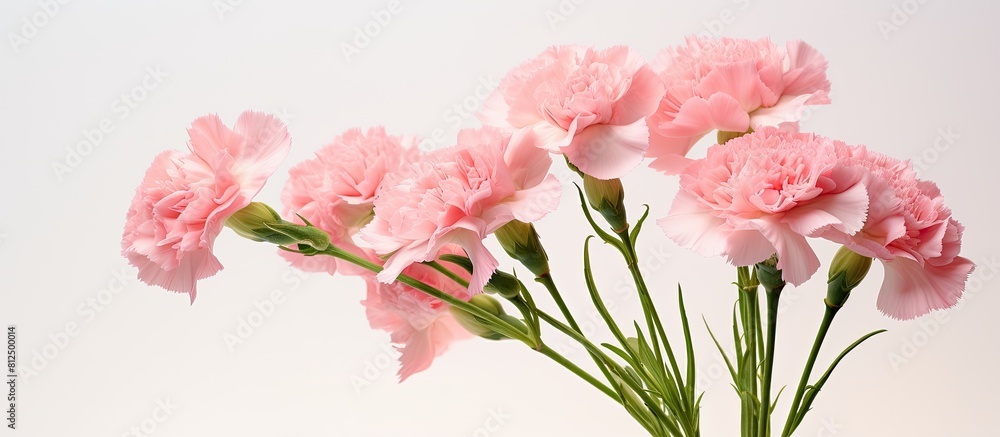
<point x="459" y="196"/>
<point x="762" y="194"/>
<point x="421" y="325"/>
<point x="335" y="191"/>
<point x="588" y="104"/>
<point x="731" y="85"/>
<point x="911" y="231"/>
<point x="185" y="199"/>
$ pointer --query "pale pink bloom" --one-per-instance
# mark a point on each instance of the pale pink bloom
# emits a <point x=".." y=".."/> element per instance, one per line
<point x="420" y="325"/>
<point x="911" y="231"/>
<point x="335" y="191"/>
<point x="460" y="195"/>
<point x="762" y="194"/>
<point x="730" y="85"/>
<point x="590" y="105"/>
<point x="185" y="199"/>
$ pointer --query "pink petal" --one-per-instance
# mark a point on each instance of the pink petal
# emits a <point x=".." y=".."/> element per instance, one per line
<point x="535" y="203"/>
<point x="423" y="346"/>
<point x="209" y="137"/>
<point x="551" y="137"/>
<point x="796" y="258"/>
<point x="807" y="71"/>
<point x="845" y="212"/>
<point x="528" y="163"/>
<point x="673" y="140"/>
<point x="266" y="145"/>
<point x="495" y="110"/>
<point x="402" y="259"/>
<point x="417" y="354"/>
<point x="739" y="80"/>
<point x="909" y="290"/>
<point x="694" y="227"/>
<point x="608" y="151"/>
<point x="699" y="116"/>
<point x="483" y="262"/>
<point x="789" y="109"/>
<point x="641" y="99"/>
<point x="747" y="247"/>
<point x="194" y="266"/>
<point x="669" y="163"/>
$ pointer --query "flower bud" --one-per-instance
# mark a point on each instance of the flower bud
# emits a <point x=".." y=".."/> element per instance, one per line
<point x="521" y="242"/>
<point x="847" y="271"/>
<point x="251" y="221"/>
<point x="259" y="222"/>
<point x="503" y="284"/>
<point x="478" y="326"/>
<point x="608" y="198"/>
<point x="769" y="275"/>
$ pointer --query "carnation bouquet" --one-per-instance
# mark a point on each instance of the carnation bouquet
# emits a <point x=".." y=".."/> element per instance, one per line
<point x="412" y="223"/>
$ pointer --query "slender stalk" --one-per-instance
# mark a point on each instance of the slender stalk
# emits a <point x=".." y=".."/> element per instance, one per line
<point x="652" y="319"/>
<point x="550" y="285"/>
<point x="765" y="391"/>
<point x="447" y="272"/>
<point x="478" y="312"/>
<point x="555" y="356"/>
<point x="502" y="326"/>
<point x="824" y="327"/>
<point x="615" y="367"/>
<point x="653" y="322"/>
<point x="748" y="363"/>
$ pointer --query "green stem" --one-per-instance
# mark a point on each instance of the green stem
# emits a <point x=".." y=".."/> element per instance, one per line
<point x="501" y="326"/>
<point x="640" y="284"/>
<point x="447" y="272"/>
<point x="547" y="351"/>
<point x="653" y="322"/>
<point x="615" y="367"/>
<point x="550" y="285"/>
<point x="824" y="327"/>
<point x="748" y="363"/>
<point x="478" y="312"/>
<point x="765" y="391"/>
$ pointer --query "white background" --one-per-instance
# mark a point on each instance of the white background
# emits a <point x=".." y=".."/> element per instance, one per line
<point x="298" y="372"/>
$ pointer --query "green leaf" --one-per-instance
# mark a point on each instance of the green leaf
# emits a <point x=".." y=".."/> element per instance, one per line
<point x="595" y="296"/>
<point x="689" y="348"/>
<point x="638" y="224"/>
<point x="725" y="357"/>
<point x="813" y="390"/>
<point x="608" y="238"/>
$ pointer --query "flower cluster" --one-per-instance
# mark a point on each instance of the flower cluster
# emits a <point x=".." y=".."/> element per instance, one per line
<point x="765" y="192"/>
<point x="390" y="212"/>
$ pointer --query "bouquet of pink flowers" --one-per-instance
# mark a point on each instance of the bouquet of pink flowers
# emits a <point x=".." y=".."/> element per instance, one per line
<point x="412" y="224"/>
